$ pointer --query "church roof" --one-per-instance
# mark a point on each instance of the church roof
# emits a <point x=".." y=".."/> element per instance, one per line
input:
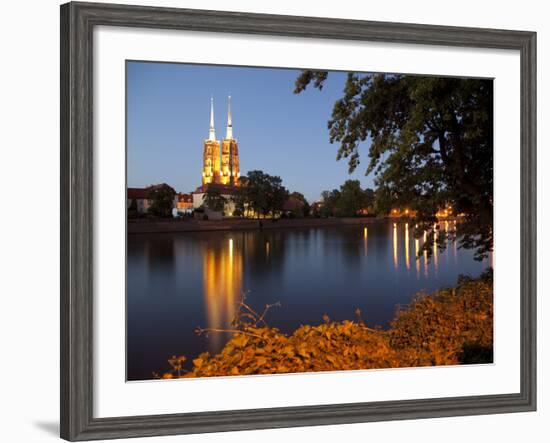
<point x="223" y="189"/>
<point x="137" y="193"/>
<point x="141" y="193"/>
<point x="292" y="204"/>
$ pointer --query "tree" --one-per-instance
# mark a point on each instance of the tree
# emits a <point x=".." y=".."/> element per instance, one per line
<point x="277" y="195"/>
<point x="162" y="200"/>
<point x="213" y="199"/>
<point x="352" y="199"/>
<point x="239" y="198"/>
<point x="330" y="199"/>
<point x="303" y="209"/>
<point x="348" y="201"/>
<point x="306" y="209"/>
<point x="264" y="193"/>
<point x="133" y="209"/>
<point x="430" y="145"/>
<point x="256" y="192"/>
<point x="369" y="199"/>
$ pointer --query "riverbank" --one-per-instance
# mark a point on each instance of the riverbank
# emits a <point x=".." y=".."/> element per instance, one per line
<point x="190" y="225"/>
<point x="193" y="225"/>
<point x="449" y="327"/>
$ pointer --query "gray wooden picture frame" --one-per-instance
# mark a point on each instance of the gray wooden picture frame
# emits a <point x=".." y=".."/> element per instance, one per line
<point x="77" y="23"/>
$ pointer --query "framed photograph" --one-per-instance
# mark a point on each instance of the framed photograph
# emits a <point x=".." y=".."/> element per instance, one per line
<point x="273" y="221"/>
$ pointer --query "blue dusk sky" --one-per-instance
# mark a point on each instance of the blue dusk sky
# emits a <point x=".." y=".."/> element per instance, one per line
<point x="278" y="132"/>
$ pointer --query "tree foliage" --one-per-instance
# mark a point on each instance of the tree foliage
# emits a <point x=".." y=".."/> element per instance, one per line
<point x="452" y="326"/>
<point x="261" y="193"/>
<point x="430" y="145"/>
<point x="304" y="207"/>
<point x="239" y="198"/>
<point x="162" y="200"/>
<point x="330" y="199"/>
<point x="213" y="199"/>
<point x="132" y="211"/>
<point x="352" y="198"/>
<point x="347" y="201"/>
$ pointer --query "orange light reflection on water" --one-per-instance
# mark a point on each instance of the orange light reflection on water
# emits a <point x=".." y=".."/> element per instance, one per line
<point x="395" y="261"/>
<point x="416" y="257"/>
<point x="222" y="280"/>
<point x="407" y="257"/>
<point x="435" y="258"/>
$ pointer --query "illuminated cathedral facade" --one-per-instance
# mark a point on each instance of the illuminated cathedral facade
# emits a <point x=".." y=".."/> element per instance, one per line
<point x="220" y="163"/>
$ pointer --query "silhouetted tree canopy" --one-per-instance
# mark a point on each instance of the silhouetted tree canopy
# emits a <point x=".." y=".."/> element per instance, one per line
<point x="214" y="199"/>
<point x="262" y="193"/>
<point x="347" y="201"/>
<point x="162" y="200"/>
<point x="430" y="145"/>
<point x="304" y="209"/>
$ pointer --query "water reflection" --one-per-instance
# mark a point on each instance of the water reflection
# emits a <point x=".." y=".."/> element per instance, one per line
<point x="177" y="282"/>
<point x="222" y="281"/>
<point x="435" y="249"/>
<point x="263" y="250"/>
<point x="455" y="250"/>
<point x="435" y="257"/>
<point x="160" y="255"/>
<point x="407" y="258"/>
<point x="401" y="234"/>
<point x="395" y="261"/>
<point x="416" y="256"/>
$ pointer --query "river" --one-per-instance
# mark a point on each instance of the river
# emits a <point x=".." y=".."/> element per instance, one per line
<point x="178" y="282"/>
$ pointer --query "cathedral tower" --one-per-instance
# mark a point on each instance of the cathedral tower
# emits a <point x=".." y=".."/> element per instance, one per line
<point x="230" y="154"/>
<point x="211" y="153"/>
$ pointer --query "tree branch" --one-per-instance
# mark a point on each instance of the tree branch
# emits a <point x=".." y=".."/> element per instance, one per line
<point x="201" y="331"/>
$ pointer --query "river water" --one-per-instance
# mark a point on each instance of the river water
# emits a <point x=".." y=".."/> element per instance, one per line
<point x="178" y="282"/>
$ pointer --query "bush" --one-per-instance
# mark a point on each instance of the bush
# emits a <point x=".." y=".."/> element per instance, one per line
<point x="452" y="326"/>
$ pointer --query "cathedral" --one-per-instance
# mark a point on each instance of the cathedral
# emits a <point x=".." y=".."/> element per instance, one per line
<point x="220" y="166"/>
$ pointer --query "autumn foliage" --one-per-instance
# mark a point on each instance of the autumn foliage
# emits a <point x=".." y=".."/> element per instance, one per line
<point x="451" y="326"/>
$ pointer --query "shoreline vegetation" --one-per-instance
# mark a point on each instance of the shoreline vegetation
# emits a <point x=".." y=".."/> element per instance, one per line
<point x="144" y="226"/>
<point x="451" y="326"/>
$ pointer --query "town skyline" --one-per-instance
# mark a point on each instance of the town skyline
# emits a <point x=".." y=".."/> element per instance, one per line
<point x="280" y="133"/>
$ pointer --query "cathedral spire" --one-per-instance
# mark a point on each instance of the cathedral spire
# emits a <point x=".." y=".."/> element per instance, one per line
<point x="212" y="134"/>
<point x="229" y="132"/>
